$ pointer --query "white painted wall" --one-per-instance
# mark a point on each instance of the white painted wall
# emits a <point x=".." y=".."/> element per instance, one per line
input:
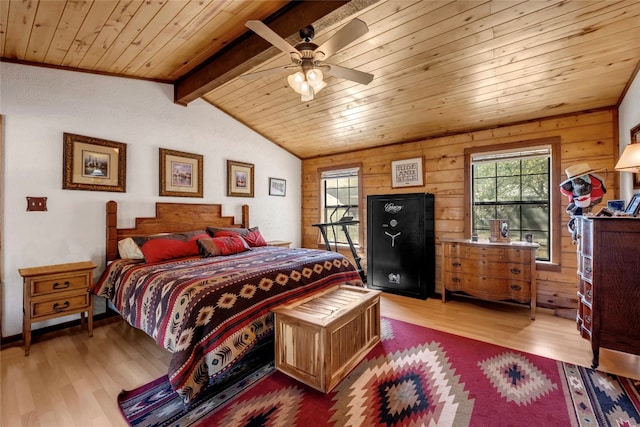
<point x="39" y="104"/>
<point x="628" y="117"/>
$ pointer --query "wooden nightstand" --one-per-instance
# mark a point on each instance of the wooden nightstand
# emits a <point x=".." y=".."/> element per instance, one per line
<point x="280" y="243"/>
<point x="56" y="290"/>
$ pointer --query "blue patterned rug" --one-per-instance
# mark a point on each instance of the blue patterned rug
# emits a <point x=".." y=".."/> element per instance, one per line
<point x="415" y="376"/>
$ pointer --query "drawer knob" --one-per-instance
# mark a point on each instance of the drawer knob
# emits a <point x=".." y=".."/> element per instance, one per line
<point x="589" y="293"/>
<point x="64" y="285"/>
<point x="59" y="307"/>
<point x="456" y="279"/>
<point x="516" y="287"/>
<point x="588" y="270"/>
<point x="587" y="318"/>
<point x="456" y="264"/>
<point x="515" y="271"/>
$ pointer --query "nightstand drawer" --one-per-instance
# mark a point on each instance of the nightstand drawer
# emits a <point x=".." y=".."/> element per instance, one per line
<point x="58" y="283"/>
<point x="59" y="305"/>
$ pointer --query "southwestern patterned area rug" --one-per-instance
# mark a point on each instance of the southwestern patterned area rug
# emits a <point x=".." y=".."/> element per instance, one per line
<point x="414" y="377"/>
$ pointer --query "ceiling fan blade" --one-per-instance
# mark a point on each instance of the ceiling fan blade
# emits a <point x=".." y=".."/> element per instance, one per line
<point x="269" y="72"/>
<point x="345" y="35"/>
<point x="349" y="74"/>
<point x="269" y="35"/>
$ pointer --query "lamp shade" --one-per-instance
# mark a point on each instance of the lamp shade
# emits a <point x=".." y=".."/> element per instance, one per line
<point x="316" y="79"/>
<point x="630" y="159"/>
<point x="296" y="81"/>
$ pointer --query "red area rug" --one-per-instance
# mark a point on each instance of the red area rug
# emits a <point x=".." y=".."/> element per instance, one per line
<point x="415" y="376"/>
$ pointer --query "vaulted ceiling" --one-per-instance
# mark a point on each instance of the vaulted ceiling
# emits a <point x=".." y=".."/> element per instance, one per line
<point x="440" y="67"/>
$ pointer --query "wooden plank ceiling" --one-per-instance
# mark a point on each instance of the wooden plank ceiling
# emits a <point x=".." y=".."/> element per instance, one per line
<point x="441" y="67"/>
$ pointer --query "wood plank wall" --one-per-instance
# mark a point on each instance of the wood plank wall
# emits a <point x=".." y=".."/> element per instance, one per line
<point x="585" y="137"/>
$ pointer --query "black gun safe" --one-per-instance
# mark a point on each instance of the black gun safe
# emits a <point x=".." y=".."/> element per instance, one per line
<point x="401" y="244"/>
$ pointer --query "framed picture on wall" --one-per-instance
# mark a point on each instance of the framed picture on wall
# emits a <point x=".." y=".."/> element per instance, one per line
<point x="180" y="173"/>
<point x="277" y="187"/>
<point x="239" y="179"/>
<point x="93" y="164"/>
<point x="406" y="173"/>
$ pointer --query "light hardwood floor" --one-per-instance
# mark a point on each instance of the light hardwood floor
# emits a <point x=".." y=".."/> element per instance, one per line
<point x="70" y="379"/>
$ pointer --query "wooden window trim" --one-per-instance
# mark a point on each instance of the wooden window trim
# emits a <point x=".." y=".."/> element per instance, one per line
<point x="360" y="202"/>
<point x="555" y="262"/>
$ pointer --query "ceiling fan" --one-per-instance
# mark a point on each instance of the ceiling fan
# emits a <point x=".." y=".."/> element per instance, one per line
<point x="308" y="58"/>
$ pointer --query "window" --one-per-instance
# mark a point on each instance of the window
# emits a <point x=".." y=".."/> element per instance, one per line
<point x="516" y="183"/>
<point x="340" y="193"/>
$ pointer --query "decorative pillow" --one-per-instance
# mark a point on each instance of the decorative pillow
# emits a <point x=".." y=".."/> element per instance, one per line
<point x="226" y="245"/>
<point x="241" y="231"/>
<point x="252" y="236"/>
<point x="128" y="249"/>
<point x="254" y="239"/>
<point x="170" y="246"/>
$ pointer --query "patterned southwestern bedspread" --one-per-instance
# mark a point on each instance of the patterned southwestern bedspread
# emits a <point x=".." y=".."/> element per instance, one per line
<point x="210" y="311"/>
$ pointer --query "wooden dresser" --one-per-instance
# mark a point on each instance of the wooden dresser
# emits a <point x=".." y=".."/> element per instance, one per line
<point x="56" y="290"/>
<point x="501" y="272"/>
<point x="609" y="283"/>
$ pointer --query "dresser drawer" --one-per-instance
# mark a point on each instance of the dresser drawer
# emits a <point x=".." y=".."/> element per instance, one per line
<point x="482" y="253"/>
<point x="521" y="256"/>
<point x="585" y="238"/>
<point x="485" y="267"/>
<point x="490" y="288"/>
<point x="59" y="305"/>
<point x="586" y="320"/>
<point x="476" y="252"/>
<point x="587" y="269"/>
<point x="58" y="283"/>
<point x="586" y="291"/>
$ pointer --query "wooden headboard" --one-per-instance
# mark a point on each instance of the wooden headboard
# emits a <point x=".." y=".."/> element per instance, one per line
<point x="170" y="218"/>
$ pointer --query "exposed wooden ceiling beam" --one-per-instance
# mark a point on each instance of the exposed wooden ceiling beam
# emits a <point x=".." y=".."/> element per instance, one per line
<point x="250" y="49"/>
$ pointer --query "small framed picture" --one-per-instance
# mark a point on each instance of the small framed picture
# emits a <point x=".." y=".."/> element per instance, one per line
<point x="633" y="208"/>
<point x="615" y="205"/>
<point x="406" y="173"/>
<point x="180" y="173"/>
<point x="93" y="164"/>
<point x="239" y="179"/>
<point x="277" y="187"/>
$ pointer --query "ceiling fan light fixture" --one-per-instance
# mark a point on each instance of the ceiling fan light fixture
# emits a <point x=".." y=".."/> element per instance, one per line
<point x="307" y="96"/>
<point x="296" y="80"/>
<point x="309" y="56"/>
<point x="307" y="84"/>
<point x="316" y="79"/>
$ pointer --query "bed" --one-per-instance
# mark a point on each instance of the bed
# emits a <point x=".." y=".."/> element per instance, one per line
<point x="208" y="309"/>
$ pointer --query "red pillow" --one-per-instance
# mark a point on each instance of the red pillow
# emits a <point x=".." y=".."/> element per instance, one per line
<point x="253" y="238"/>
<point x="164" y="249"/>
<point x="226" y="245"/>
<point x="226" y="233"/>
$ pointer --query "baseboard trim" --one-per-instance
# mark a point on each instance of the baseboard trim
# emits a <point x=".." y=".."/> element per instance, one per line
<point x="109" y="316"/>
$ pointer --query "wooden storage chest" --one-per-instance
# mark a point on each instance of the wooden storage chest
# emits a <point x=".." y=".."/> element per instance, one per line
<point x="319" y="339"/>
